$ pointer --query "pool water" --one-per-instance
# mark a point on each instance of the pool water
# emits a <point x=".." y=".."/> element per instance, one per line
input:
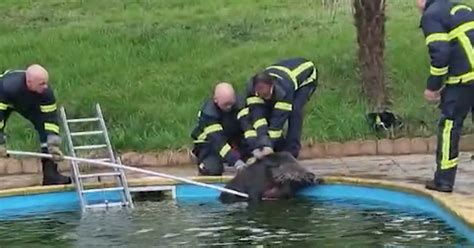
<point x="307" y="222"/>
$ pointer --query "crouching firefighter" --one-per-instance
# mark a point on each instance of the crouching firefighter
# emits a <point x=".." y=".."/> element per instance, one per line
<point x="277" y="96"/>
<point x="449" y="34"/>
<point x="27" y="92"/>
<point x="223" y="133"/>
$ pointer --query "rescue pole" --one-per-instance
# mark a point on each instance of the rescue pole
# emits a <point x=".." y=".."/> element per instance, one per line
<point x="130" y="168"/>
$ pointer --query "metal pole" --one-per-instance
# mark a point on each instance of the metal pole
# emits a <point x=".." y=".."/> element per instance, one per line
<point x="43" y="155"/>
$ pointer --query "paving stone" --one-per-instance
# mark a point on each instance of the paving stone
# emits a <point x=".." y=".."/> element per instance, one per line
<point x="13" y="166"/>
<point x="384" y="147"/>
<point x="401" y="146"/>
<point x="31" y="166"/>
<point x="351" y="148"/>
<point x="368" y="147"/>
<point x="334" y="149"/>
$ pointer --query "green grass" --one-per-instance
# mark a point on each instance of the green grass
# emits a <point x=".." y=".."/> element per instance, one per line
<point x="151" y="63"/>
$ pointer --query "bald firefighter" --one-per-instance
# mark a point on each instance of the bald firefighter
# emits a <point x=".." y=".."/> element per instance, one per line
<point x="223" y="134"/>
<point x="28" y="93"/>
<point x="277" y="96"/>
<point x="448" y="27"/>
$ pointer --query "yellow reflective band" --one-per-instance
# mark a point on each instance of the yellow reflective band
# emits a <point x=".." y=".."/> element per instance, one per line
<point x="250" y="134"/>
<point x="213" y="128"/>
<point x="51" y="127"/>
<point x="2" y="124"/>
<point x="288" y="72"/>
<point x="435" y="71"/>
<point x="4" y="73"/>
<point x="311" y="78"/>
<point x="293" y="74"/>
<point x="459" y="7"/>
<point x="209" y="129"/>
<point x="466" y="44"/>
<point x="298" y="70"/>
<point x="462" y="29"/>
<point x="48" y="108"/>
<point x="242" y="113"/>
<point x="447" y="163"/>
<point x="259" y="123"/>
<point x="275" y="134"/>
<point x="275" y="75"/>
<point x="254" y="100"/>
<point x="283" y="106"/>
<point x="3" y="106"/>
<point x="464" y="78"/>
<point x="436" y="37"/>
<point x="460" y="34"/>
<point x="224" y="150"/>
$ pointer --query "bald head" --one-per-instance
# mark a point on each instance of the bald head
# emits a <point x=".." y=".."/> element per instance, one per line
<point x="224" y="96"/>
<point x="421" y="5"/>
<point x="37" y="78"/>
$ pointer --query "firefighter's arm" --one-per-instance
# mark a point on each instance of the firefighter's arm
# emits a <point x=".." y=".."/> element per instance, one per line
<point x="250" y="134"/>
<point x="49" y="114"/>
<point x="281" y="112"/>
<point x="259" y="123"/>
<point x="436" y="38"/>
<point x="214" y="132"/>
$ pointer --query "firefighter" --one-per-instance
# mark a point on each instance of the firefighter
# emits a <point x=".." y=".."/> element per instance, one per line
<point x="28" y="93"/>
<point x="449" y="34"/>
<point x="276" y="96"/>
<point x="223" y="133"/>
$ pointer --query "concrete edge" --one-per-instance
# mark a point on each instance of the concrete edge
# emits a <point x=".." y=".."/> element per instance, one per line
<point x="454" y="203"/>
<point x="310" y="150"/>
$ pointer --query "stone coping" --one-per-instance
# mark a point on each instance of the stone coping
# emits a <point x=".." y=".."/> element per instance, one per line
<point x="310" y="150"/>
<point x="459" y="205"/>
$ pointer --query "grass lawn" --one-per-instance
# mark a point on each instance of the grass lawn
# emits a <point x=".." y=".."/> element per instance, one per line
<point x="151" y="63"/>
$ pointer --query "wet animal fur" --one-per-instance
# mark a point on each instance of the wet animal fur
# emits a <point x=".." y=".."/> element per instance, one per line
<point x="278" y="175"/>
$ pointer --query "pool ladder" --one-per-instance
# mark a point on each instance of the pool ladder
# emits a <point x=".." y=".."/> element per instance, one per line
<point x="105" y="144"/>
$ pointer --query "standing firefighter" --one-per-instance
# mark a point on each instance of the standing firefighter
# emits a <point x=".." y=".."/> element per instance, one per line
<point x="27" y="92"/>
<point x="223" y="134"/>
<point x="277" y="95"/>
<point x="449" y="31"/>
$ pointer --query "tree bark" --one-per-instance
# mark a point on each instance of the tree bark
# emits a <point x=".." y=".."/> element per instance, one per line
<point x="370" y="18"/>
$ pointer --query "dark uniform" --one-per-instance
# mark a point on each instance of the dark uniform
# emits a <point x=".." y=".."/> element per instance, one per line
<point x="449" y="32"/>
<point x="294" y="81"/>
<point x="222" y="137"/>
<point x="39" y="109"/>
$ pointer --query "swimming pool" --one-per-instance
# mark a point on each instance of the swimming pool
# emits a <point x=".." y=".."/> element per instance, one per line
<point x="333" y="215"/>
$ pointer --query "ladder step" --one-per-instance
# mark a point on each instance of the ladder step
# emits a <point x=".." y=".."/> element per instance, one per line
<point x="102" y="190"/>
<point x="82" y="120"/>
<point x="90" y="147"/>
<point x="86" y="133"/>
<point x="105" y="174"/>
<point x="107" y="205"/>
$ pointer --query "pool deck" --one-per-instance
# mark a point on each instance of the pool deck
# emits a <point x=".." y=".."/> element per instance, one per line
<point x="407" y="173"/>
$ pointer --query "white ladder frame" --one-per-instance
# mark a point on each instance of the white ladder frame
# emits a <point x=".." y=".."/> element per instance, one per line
<point x="118" y="173"/>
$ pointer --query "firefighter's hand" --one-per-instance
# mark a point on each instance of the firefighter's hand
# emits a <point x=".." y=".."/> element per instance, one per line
<point x="267" y="151"/>
<point x="240" y="165"/>
<point x="432" y="96"/>
<point x="55" y="151"/>
<point x="53" y="147"/>
<point x="257" y="153"/>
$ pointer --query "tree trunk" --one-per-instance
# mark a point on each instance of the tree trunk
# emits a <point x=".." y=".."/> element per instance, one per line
<point x="369" y="18"/>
